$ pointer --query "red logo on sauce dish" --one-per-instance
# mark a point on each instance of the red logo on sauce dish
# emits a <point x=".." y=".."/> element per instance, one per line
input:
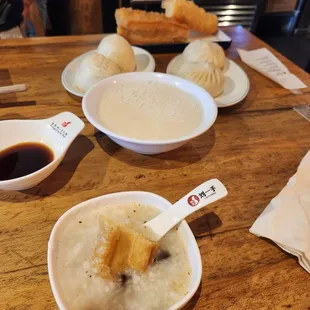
<point x="193" y="200"/>
<point x="65" y="124"/>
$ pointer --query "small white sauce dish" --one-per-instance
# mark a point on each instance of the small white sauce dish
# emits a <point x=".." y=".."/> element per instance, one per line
<point x="123" y="198"/>
<point x="57" y="133"/>
<point x="91" y="102"/>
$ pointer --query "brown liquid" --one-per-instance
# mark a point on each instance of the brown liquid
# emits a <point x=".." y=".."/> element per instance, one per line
<point x="24" y="158"/>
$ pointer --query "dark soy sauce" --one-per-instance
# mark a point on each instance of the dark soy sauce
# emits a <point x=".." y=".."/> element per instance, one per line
<point x="23" y="158"/>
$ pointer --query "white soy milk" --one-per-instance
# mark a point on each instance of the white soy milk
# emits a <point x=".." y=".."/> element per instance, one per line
<point x="149" y="111"/>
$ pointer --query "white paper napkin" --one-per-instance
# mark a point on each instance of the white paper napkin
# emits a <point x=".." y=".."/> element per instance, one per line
<point x="263" y="61"/>
<point x="286" y="220"/>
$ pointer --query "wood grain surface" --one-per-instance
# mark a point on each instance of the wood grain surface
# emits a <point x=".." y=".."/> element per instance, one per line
<point x="253" y="148"/>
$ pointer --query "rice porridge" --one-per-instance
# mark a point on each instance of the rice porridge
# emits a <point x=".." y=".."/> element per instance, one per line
<point x="149" y="110"/>
<point x="164" y="283"/>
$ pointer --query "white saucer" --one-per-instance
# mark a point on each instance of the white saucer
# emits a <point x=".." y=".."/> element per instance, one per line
<point x="144" y="62"/>
<point x="236" y="83"/>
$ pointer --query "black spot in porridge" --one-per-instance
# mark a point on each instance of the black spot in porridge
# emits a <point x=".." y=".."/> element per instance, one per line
<point x="80" y="222"/>
<point x="162" y="255"/>
<point x="124" y="279"/>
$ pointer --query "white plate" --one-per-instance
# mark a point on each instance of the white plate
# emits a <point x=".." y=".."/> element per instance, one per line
<point x="236" y="83"/>
<point x="220" y="36"/>
<point x="144" y="62"/>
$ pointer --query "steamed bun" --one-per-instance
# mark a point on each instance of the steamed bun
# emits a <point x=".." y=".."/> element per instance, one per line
<point x="93" y="69"/>
<point x="205" y="51"/>
<point x="117" y="49"/>
<point x="205" y="75"/>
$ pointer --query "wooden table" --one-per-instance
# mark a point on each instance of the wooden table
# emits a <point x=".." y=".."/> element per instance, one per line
<point x="253" y="148"/>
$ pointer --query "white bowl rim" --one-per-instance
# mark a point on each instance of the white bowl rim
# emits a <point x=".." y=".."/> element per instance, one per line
<point x="51" y="246"/>
<point x="205" y="125"/>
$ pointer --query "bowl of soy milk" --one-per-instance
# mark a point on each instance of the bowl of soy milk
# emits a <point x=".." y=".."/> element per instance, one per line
<point x="149" y="113"/>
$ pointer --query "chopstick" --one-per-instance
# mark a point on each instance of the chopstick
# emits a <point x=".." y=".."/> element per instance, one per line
<point x="12" y="88"/>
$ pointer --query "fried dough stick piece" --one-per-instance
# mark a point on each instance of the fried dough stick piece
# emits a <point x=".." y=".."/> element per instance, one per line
<point x="141" y="37"/>
<point x="119" y="248"/>
<point x="193" y="16"/>
<point x="138" y="21"/>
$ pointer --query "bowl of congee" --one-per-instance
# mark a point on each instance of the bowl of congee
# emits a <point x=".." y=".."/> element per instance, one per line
<point x="100" y="258"/>
<point x="149" y="113"/>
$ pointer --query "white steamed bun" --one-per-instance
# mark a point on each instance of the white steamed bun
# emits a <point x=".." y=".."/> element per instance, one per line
<point x="205" y="75"/>
<point x="93" y="69"/>
<point x="117" y="49"/>
<point x="205" y="51"/>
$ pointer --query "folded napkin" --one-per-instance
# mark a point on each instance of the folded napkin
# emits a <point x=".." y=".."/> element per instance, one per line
<point x="263" y="61"/>
<point x="286" y="220"/>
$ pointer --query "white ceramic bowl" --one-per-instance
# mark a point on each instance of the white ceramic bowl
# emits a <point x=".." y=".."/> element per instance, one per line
<point x="57" y="132"/>
<point x="91" y="101"/>
<point x="124" y="198"/>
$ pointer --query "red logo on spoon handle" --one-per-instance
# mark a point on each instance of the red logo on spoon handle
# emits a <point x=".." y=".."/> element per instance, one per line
<point x="193" y="200"/>
<point x="65" y="124"/>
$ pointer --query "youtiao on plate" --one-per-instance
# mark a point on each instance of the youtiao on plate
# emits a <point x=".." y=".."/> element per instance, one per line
<point x="189" y="13"/>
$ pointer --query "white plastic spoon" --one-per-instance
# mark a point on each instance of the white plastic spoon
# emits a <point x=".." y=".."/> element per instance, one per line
<point x="206" y="193"/>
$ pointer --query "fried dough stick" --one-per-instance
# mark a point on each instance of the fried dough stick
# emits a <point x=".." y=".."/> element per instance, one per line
<point x="189" y="13"/>
<point x="142" y="37"/>
<point x="140" y="27"/>
<point x="119" y="248"/>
